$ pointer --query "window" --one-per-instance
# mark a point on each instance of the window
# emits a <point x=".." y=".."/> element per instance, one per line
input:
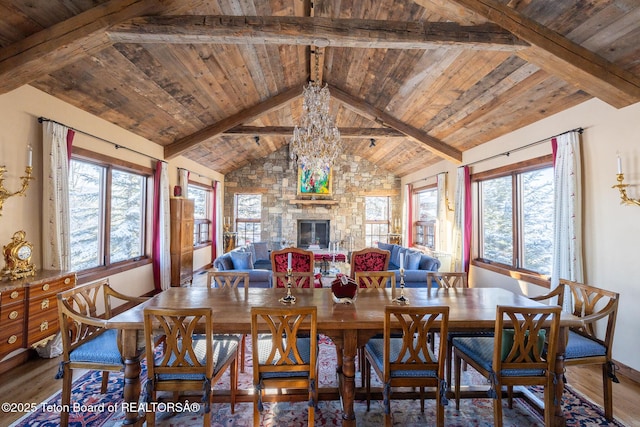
<point x="248" y="217"/>
<point x="201" y="213"/>
<point x="107" y="214"/>
<point x="516" y="217"/>
<point x="426" y="202"/>
<point x="376" y="219"/>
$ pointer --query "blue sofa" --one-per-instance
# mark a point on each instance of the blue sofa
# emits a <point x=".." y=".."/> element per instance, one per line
<point x="416" y="265"/>
<point x="242" y="260"/>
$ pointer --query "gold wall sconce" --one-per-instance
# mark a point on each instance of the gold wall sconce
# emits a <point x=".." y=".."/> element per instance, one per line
<point x="623" y="187"/>
<point x="4" y="193"/>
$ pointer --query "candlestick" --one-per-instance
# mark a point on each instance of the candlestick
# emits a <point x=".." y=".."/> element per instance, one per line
<point x="401" y="299"/>
<point x="288" y="298"/>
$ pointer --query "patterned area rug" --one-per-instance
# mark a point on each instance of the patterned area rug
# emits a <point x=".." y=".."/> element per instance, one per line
<point x="95" y="409"/>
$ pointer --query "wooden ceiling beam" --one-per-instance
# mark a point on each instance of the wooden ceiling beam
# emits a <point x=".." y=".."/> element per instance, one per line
<point x="61" y="44"/>
<point x="180" y="146"/>
<point x="434" y="145"/>
<point x="296" y="30"/>
<point x="562" y="57"/>
<point x="287" y="131"/>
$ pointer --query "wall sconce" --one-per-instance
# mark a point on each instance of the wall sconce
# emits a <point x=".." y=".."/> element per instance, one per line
<point x="623" y="187"/>
<point x="4" y="194"/>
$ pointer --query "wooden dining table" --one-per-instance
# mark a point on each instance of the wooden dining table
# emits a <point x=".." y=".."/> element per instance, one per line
<point x="348" y="325"/>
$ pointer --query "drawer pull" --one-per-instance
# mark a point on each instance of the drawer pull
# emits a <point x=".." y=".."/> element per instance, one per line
<point x="14" y="294"/>
<point x="67" y="281"/>
<point x="44" y="326"/>
<point x="12" y="339"/>
<point x="44" y="304"/>
<point x="13" y="315"/>
<point x="45" y="287"/>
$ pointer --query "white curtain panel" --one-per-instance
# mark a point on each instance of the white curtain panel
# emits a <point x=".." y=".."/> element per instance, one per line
<point x="183" y="180"/>
<point x="56" y="246"/>
<point x="457" y="238"/>
<point x="567" y="249"/>
<point x="442" y="212"/>
<point x="165" y="229"/>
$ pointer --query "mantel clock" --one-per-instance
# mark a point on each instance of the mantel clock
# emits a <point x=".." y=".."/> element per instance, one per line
<point x="17" y="257"/>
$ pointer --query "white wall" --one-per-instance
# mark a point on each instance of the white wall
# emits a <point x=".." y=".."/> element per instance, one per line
<point x="19" y="111"/>
<point x="611" y="230"/>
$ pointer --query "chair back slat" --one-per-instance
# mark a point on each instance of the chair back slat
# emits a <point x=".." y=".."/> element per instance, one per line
<point x="299" y="279"/>
<point x="376" y="279"/>
<point x="447" y="280"/>
<point x="227" y="279"/>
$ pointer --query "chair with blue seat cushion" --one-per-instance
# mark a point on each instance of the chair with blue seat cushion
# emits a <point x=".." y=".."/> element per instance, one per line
<point x="190" y="358"/>
<point x="285" y="355"/>
<point x="86" y="344"/>
<point x="515" y="355"/>
<point x="404" y="359"/>
<point x="585" y="345"/>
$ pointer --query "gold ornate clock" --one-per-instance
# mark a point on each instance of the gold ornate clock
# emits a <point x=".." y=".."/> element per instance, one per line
<point x="17" y="257"/>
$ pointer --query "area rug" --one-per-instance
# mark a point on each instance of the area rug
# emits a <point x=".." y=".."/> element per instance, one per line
<point x="95" y="409"/>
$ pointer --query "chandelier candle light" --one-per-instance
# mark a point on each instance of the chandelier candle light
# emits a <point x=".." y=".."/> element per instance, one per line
<point x="623" y="187"/>
<point x="316" y="142"/>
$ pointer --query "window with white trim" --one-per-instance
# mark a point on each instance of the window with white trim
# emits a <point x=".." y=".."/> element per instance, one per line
<point x="248" y="218"/>
<point x="202" y="199"/>
<point x="377" y="214"/>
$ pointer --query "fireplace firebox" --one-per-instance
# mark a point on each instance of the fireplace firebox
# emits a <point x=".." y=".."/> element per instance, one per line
<point x="313" y="232"/>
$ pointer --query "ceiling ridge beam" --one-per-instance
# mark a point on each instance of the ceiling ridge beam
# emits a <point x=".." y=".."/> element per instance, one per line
<point x="432" y="144"/>
<point x="300" y="30"/>
<point x="561" y="56"/>
<point x="287" y="131"/>
<point x="59" y="45"/>
<point x="180" y="146"/>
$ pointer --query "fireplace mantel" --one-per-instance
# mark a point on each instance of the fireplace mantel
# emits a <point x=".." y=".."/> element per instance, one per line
<point x="313" y="202"/>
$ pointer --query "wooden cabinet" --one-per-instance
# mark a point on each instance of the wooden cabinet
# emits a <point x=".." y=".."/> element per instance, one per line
<point x="29" y="309"/>
<point x="181" y="246"/>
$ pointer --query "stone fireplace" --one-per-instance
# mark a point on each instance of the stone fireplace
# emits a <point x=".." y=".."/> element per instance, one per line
<point x="313" y="232"/>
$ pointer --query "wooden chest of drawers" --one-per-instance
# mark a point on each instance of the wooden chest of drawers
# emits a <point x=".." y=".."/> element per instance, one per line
<point x="29" y="310"/>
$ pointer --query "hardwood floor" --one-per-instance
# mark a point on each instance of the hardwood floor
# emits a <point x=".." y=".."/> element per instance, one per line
<point x="34" y="382"/>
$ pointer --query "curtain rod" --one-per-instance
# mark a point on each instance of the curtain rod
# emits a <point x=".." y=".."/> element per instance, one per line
<point x="428" y="177"/>
<point x="117" y="146"/>
<point x="507" y="153"/>
<point x="196" y="173"/>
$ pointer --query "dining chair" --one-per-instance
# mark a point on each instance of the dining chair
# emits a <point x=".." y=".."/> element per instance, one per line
<point x="406" y="360"/>
<point x="369" y="259"/>
<point x="227" y="279"/>
<point x="86" y="344"/>
<point x="302" y="261"/>
<point x="515" y="355"/>
<point x="585" y="346"/>
<point x="231" y="279"/>
<point x="188" y="359"/>
<point x="451" y="280"/>
<point x="376" y="279"/>
<point x="285" y="355"/>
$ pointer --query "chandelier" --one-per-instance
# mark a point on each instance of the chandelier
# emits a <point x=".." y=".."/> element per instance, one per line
<point x="316" y="142"/>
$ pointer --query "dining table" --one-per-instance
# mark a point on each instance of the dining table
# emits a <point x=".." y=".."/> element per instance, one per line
<point x="347" y="325"/>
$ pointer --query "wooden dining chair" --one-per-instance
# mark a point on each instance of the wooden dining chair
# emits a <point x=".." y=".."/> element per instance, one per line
<point x="227" y="279"/>
<point x="369" y="259"/>
<point x="451" y="280"/>
<point x="515" y="355"/>
<point x="376" y="279"/>
<point x="586" y="345"/>
<point x="86" y="344"/>
<point x="405" y="360"/>
<point x="302" y="261"/>
<point x="188" y="359"/>
<point x="285" y="355"/>
<point x="231" y="279"/>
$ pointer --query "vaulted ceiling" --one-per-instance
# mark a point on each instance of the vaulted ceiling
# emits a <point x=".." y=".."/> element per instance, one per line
<point x="426" y="79"/>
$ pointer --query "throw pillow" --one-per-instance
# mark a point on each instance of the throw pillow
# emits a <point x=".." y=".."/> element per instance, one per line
<point x="241" y="260"/>
<point x="412" y="260"/>
<point x="385" y="246"/>
<point x="227" y="262"/>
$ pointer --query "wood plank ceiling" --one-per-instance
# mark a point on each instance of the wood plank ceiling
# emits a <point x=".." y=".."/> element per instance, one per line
<point x="427" y="79"/>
